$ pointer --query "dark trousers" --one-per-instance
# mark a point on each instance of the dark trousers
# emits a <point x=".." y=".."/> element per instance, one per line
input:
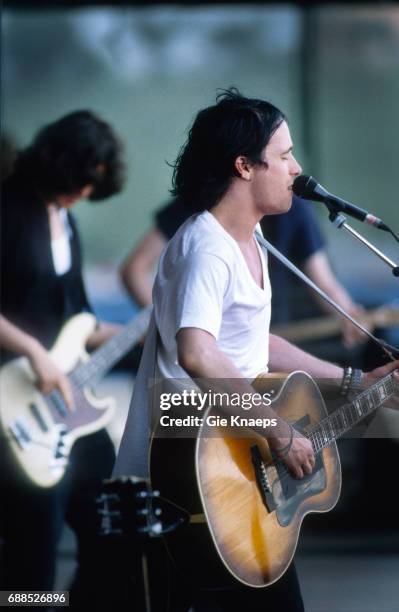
<point x="171" y="592"/>
<point x="32" y="519"/>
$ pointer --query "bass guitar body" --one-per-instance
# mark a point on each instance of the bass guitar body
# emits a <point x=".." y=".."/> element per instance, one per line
<point x="245" y="508"/>
<point x="40" y="429"/>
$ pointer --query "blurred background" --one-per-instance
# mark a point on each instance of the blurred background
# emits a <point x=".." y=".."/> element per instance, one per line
<point x="147" y="69"/>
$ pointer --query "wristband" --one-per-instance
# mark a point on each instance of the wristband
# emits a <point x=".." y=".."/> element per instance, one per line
<point x="351" y="381"/>
<point x="346" y="381"/>
<point x="355" y="383"/>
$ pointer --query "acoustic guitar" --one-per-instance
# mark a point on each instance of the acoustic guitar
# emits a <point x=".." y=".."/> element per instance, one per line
<point x="245" y="508"/>
<point x="39" y="429"/>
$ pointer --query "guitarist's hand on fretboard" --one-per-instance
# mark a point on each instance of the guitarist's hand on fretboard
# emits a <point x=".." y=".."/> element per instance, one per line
<point x="369" y="378"/>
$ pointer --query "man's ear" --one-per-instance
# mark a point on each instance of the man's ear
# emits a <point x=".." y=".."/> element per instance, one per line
<point x="243" y="167"/>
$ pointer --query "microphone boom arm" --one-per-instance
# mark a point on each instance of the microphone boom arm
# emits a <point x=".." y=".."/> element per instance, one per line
<point x="339" y="220"/>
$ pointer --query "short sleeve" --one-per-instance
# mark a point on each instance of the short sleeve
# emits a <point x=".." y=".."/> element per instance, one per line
<point x="195" y="294"/>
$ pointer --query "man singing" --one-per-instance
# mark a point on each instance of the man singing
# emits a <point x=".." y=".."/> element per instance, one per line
<point x="212" y="296"/>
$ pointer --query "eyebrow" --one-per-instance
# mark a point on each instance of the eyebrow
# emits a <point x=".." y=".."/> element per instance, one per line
<point x="288" y="150"/>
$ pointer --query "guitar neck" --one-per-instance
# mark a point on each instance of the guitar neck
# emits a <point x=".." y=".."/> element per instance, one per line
<point x="324" y="327"/>
<point x="111" y="351"/>
<point x="347" y="416"/>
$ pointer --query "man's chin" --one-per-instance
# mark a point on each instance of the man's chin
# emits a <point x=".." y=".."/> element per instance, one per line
<point x="285" y="207"/>
<point x="281" y="209"/>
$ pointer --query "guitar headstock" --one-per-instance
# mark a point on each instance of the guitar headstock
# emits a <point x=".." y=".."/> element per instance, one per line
<point x="131" y="508"/>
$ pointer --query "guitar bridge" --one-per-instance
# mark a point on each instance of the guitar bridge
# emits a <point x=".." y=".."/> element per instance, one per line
<point x="262" y="478"/>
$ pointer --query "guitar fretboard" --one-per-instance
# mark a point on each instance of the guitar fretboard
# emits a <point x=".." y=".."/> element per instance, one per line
<point x="345" y="417"/>
<point x="108" y="354"/>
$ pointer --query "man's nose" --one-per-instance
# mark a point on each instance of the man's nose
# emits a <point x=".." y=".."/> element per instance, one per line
<point x="296" y="168"/>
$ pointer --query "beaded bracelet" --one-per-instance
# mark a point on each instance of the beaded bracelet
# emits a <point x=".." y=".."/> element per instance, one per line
<point x="346" y="380"/>
<point x="351" y="381"/>
<point x="355" y="383"/>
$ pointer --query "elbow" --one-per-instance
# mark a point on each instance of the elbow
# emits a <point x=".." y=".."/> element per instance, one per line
<point x="188" y="359"/>
<point x="126" y="273"/>
<point x="133" y="278"/>
<point x="196" y="350"/>
<point x="195" y="360"/>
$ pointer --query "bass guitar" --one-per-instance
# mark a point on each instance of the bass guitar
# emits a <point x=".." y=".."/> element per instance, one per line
<point x="245" y="508"/>
<point x="39" y="429"/>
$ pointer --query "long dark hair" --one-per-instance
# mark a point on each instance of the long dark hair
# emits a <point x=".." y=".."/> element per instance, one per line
<point x="77" y="150"/>
<point x="234" y="126"/>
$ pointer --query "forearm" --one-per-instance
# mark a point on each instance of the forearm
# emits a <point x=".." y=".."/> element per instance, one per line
<point x="285" y="357"/>
<point x="317" y="267"/>
<point x="138" y="283"/>
<point x="200" y="356"/>
<point x="137" y="271"/>
<point x="339" y="296"/>
<point x="214" y="371"/>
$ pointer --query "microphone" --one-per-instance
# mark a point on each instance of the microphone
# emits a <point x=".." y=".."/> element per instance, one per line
<point x="308" y="188"/>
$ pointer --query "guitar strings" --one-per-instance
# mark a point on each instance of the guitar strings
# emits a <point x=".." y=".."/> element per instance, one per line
<point x="312" y="428"/>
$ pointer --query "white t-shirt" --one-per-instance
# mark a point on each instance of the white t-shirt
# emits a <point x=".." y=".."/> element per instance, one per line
<point x="203" y="281"/>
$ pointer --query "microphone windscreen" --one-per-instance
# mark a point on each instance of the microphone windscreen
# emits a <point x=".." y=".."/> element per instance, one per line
<point x="304" y="186"/>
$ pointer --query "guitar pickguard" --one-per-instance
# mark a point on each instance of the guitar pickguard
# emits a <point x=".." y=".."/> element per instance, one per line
<point x="289" y="492"/>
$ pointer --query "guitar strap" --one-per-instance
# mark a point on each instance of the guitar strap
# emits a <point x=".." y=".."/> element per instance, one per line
<point x="133" y="452"/>
<point x="269" y="248"/>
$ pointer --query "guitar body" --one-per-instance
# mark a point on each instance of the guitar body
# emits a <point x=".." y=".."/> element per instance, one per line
<point x="251" y="535"/>
<point x="39" y="429"/>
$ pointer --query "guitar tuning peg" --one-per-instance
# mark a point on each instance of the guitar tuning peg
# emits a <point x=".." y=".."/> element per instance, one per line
<point x="155" y="529"/>
<point x="142" y="494"/>
<point x="146" y="494"/>
<point x="107" y="497"/>
<point x="109" y="513"/>
<point x="106" y="531"/>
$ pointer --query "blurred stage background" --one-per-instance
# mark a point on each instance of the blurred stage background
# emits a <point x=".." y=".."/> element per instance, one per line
<point x="146" y="68"/>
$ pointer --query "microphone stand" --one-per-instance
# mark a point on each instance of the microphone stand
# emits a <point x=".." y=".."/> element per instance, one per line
<point x="339" y="220"/>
